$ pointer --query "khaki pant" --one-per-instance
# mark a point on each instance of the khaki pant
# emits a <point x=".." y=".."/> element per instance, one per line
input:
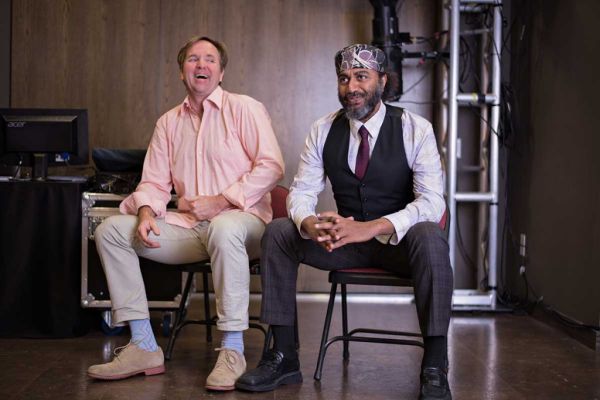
<point x="229" y="240"/>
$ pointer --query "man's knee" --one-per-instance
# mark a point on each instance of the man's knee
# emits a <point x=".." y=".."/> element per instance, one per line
<point x="428" y="231"/>
<point x="227" y="230"/>
<point x="427" y="237"/>
<point x="279" y="230"/>
<point x="115" y="229"/>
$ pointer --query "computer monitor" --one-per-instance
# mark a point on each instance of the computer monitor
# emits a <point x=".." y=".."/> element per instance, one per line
<point x="41" y="137"/>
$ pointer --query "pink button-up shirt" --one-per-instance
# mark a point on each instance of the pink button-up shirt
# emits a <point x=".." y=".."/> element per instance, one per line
<point x="232" y="151"/>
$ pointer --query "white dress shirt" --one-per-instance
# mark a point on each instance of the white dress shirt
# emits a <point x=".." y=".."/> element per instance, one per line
<point x="421" y="154"/>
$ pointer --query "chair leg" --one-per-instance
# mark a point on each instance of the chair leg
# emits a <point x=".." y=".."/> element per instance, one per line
<point x="181" y="311"/>
<point x="207" y="317"/>
<point x="296" y="335"/>
<point x="326" y="326"/>
<point x="345" y="322"/>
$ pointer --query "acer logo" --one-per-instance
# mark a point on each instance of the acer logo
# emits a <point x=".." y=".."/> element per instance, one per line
<point x="17" y="124"/>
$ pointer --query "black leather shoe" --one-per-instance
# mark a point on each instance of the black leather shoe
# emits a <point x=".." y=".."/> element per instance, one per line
<point x="273" y="370"/>
<point x="434" y="384"/>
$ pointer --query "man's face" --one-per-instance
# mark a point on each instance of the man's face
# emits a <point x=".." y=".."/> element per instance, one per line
<point x="202" y="72"/>
<point x="359" y="92"/>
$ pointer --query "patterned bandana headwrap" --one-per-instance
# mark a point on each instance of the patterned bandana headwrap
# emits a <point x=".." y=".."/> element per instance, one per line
<point x="360" y="56"/>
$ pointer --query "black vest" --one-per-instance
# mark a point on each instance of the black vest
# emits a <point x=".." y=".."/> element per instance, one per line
<point x="387" y="186"/>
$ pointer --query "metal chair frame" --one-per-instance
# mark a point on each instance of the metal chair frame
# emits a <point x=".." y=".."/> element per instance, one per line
<point x="209" y="321"/>
<point x="365" y="276"/>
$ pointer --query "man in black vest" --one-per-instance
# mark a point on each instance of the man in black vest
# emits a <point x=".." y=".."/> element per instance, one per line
<point x="386" y="176"/>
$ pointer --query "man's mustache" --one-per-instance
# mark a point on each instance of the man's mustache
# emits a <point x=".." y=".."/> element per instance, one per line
<point x="352" y="95"/>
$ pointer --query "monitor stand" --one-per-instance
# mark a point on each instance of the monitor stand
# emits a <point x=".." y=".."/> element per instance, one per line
<point x="39" y="168"/>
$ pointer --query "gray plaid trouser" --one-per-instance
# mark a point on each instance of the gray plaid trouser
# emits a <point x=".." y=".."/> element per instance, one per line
<point x="422" y="255"/>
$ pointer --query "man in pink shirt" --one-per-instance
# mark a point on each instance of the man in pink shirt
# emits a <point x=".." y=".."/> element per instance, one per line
<point x="219" y="152"/>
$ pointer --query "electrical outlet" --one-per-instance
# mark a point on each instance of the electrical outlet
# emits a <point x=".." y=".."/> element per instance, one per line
<point x="523" y="245"/>
<point x="522" y="252"/>
<point x="598" y="338"/>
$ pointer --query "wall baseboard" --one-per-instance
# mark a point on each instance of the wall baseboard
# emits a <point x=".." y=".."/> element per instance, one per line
<point x="586" y="336"/>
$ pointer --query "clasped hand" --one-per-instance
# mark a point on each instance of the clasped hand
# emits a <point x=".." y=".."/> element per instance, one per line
<point x="333" y="231"/>
<point x="201" y="207"/>
<point x="204" y="208"/>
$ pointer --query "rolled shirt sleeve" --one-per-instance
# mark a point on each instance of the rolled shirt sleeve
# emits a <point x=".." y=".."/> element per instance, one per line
<point x="260" y="144"/>
<point x="154" y="189"/>
<point x="310" y="178"/>
<point x="428" y="183"/>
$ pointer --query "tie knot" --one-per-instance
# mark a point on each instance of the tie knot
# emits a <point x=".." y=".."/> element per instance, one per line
<point x="363" y="132"/>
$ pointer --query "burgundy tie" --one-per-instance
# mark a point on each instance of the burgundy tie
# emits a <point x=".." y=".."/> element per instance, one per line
<point x="362" y="158"/>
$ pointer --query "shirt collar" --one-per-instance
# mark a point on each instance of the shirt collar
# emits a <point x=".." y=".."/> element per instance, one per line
<point x="216" y="97"/>
<point x="373" y="125"/>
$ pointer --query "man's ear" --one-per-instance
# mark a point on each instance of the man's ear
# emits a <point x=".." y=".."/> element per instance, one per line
<point x="384" y="78"/>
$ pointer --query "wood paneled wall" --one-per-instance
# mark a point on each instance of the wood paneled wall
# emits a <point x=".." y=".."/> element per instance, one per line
<point x="117" y="58"/>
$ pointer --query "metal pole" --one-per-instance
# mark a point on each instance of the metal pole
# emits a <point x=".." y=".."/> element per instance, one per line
<point x="452" y="123"/>
<point x="494" y="154"/>
<point x="484" y="138"/>
<point x="441" y="87"/>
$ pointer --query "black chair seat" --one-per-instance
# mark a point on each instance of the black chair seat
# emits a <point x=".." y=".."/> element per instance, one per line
<point x="368" y="276"/>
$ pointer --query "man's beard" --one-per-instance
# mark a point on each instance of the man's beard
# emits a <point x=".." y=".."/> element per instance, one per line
<point x="371" y="100"/>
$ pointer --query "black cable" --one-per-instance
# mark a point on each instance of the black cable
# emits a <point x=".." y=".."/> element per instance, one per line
<point x="478" y="113"/>
<point x="569" y="321"/>
<point x="18" y="170"/>
<point x="419" y="102"/>
<point x="465" y="56"/>
<point x="411" y="87"/>
<point x="462" y="248"/>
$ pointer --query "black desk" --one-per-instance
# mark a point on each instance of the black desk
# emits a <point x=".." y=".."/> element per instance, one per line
<point x="40" y="254"/>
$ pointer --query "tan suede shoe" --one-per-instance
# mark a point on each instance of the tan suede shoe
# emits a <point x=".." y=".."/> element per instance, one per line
<point x="130" y="360"/>
<point x="230" y="366"/>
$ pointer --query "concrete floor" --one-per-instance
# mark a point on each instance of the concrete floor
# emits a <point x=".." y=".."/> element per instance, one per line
<point x="492" y="356"/>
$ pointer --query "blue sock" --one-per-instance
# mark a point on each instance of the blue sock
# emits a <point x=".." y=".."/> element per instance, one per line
<point x="233" y="340"/>
<point x="142" y="335"/>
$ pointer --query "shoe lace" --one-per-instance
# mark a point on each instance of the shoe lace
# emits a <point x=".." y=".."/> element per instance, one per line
<point x="432" y="376"/>
<point x="118" y="350"/>
<point x="227" y="361"/>
<point x="269" y="360"/>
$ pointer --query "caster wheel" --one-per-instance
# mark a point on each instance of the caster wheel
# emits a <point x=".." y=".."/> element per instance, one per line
<point x="106" y="325"/>
<point x="108" y="331"/>
<point x="167" y="324"/>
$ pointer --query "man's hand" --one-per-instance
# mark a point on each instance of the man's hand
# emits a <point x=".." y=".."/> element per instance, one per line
<point x="147" y="223"/>
<point x="206" y="207"/>
<point x="346" y="230"/>
<point x="321" y="236"/>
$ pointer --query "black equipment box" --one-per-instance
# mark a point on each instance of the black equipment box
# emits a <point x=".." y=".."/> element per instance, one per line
<point x="164" y="284"/>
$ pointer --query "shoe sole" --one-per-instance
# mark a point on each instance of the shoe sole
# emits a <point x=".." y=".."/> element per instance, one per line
<point x="150" y="371"/>
<point x="220" y="388"/>
<point x="287" y="379"/>
<point x="447" y="397"/>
